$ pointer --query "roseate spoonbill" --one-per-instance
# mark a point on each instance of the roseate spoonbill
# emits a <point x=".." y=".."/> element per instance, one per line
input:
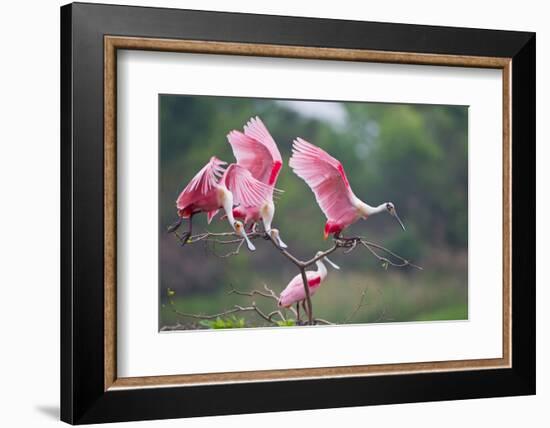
<point x="294" y="291"/>
<point x="256" y="150"/>
<point x="327" y="179"/>
<point x="214" y="187"/>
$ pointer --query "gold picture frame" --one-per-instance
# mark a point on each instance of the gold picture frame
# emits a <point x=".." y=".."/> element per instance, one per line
<point x="114" y="43"/>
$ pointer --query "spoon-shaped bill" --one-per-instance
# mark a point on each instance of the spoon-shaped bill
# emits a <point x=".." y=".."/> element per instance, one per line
<point x="249" y="244"/>
<point x="281" y="243"/>
<point x="277" y="236"/>
<point x="398" y="219"/>
<point x="334" y="265"/>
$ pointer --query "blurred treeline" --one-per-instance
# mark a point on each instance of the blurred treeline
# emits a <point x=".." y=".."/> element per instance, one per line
<point x="415" y="156"/>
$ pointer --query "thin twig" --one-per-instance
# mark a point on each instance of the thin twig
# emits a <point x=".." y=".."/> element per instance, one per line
<point x="284" y="252"/>
<point x="347" y="244"/>
<point x="359" y="306"/>
<point x="252" y="293"/>
<point x="382" y="316"/>
<point x="206" y="317"/>
<point x="234" y="252"/>
<point x="269" y="293"/>
<point x="235" y="309"/>
<point x="322" y="321"/>
<point x="323" y="254"/>
<point x="273" y="313"/>
<point x="351" y="242"/>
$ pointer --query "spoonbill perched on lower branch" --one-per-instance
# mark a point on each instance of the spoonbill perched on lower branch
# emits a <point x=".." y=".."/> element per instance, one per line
<point x="295" y="292"/>
<point x="214" y="188"/>
<point x="327" y="179"/>
<point x="256" y="150"/>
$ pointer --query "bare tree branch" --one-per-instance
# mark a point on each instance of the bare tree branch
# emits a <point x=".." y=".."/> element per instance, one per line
<point x="322" y="321"/>
<point x="269" y="293"/>
<point x="348" y="244"/>
<point x="382" y="316"/>
<point x="235" y="309"/>
<point x="308" y="295"/>
<point x="351" y="243"/>
<point x="273" y="313"/>
<point x="359" y="306"/>
<point x="206" y="317"/>
<point x="251" y="293"/>
<point x="234" y="252"/>
<point x="285" y="253"/>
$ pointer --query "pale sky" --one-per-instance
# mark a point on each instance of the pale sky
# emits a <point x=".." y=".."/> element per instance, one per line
<point x="332" y="112"/>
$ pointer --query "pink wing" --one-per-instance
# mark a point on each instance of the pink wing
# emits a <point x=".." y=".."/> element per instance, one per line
<point x="251" y="155"/>
<point x="211" y="214"/>
<point x="247" y="191"/>
<point x="294" y="291"/>
<point x="326" y="178"/>
<point x="202" y="183"/>
<point x="256" y="129"/>
<point x="257" y="151"/>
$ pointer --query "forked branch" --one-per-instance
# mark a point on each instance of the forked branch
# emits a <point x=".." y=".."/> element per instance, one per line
<point x="266" y="293"/>
<point x="347" y="244"/>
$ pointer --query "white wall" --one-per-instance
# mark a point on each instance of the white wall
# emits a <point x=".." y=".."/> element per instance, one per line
<point x="29" y="165"/>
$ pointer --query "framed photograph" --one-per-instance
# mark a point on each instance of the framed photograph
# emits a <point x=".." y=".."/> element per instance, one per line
<point x="257" y="207"/>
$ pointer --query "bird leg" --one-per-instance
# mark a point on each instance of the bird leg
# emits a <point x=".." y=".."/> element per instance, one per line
<point x="304" y="306"/>
<point x="298" y="320"/>
<point x="185" y="237"/>
<point x="174" y="226"/>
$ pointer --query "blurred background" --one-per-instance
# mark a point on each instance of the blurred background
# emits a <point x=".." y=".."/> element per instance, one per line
<point x="415" y="156"/>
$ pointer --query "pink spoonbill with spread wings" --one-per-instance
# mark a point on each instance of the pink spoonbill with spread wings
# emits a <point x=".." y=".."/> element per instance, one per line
<point x="327" y="179"/>
<point x="294" y="291"/>
<point x="214" y="187"/>
<point x="256" y="150"/>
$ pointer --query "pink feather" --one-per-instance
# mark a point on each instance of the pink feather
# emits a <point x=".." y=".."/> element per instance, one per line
<point x="202" y="185"/>
<point x="294" y="291"/>
<point x="327" y="179"/>
<point x="247" y="191"/>
<point x="257" y="151"/>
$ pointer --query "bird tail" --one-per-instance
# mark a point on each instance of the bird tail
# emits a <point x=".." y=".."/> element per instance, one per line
<point x="327" y="230"/>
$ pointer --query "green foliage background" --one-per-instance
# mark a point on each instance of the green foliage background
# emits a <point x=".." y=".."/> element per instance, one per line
<point x="415" y="156"/>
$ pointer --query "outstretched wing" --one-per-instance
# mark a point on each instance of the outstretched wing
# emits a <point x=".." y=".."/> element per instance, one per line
<point x="325" y="176"/>
<point x="247" y="191"/>
<point x="257" y="151"/>
<point x="202" y="183"/>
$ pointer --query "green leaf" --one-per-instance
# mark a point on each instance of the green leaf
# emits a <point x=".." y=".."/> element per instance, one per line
<point x="206" y="323"/>
<point x="219" y="323"/>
